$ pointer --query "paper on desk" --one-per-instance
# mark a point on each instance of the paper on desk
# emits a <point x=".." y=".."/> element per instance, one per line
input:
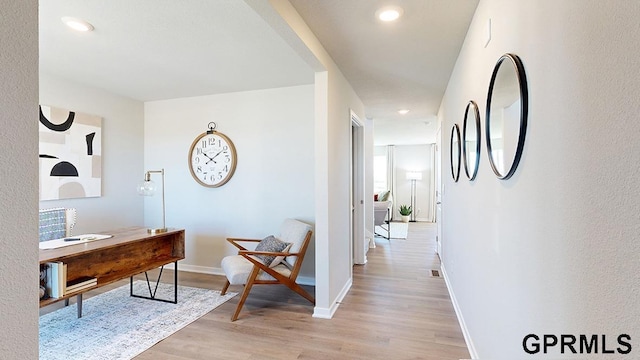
<point x="84" y="238"/>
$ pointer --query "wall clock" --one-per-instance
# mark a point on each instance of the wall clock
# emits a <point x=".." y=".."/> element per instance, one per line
<point x="212" y="158"/>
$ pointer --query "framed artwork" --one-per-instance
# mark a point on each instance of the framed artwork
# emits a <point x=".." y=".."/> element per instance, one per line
<point x="70" y="154"/>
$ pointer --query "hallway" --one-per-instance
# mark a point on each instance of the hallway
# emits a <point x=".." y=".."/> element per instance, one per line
<point x="395" y="297"/>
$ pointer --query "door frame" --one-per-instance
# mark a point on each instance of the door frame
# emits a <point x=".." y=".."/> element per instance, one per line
<point x="356" y="222"/>
<point x="439" y="188"/>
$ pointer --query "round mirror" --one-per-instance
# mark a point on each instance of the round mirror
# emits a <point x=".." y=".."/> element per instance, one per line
<point x="471" y="140"/>
<point x="455" y="152"/>
<point x="506" y="119"/>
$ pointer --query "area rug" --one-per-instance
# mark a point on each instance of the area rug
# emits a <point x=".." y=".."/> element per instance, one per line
<point x="399" y="230"/>
<point x="115" y="325"/>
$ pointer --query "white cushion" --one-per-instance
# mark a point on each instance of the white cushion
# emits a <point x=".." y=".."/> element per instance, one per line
<point x="294" y="232"/>
<point x="237" y="270"/>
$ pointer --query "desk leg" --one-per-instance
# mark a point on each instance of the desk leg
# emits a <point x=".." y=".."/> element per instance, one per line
<point x="175" y="281"/>
<point x="79" y="305"/>
<point x="152" y="293"/>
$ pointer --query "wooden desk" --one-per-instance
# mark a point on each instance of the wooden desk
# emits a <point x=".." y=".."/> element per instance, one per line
<point x="129" y="252"/>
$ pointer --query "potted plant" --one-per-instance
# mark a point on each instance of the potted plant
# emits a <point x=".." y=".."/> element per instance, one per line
<point x="405" y="211"/>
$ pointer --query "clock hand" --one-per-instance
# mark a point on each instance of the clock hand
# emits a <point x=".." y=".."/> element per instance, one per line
<point x="210" y="158"/>
<point x="214" y="156"/>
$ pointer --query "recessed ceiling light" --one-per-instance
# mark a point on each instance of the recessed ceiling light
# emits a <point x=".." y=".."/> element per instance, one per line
<point x="403" y="111"/>
<point x="77" y="24"/>
<point x="389" y="13"/>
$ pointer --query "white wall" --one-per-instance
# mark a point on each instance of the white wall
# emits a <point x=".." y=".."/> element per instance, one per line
<point x="19" y="174"/>
<point x="334" y="99"/>
<point x="122" y="146"/>
<point x="336" y="178"/>
<point x="272" y="131"/>
<point x="554" y="249"/>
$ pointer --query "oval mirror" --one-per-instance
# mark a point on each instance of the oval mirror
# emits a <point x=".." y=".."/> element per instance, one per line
<point x="506" y="119"/>
<point x="471" y="140"/>
<point x="455" y="152"/>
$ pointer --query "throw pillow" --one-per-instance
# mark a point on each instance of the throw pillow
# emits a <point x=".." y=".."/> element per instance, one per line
<point x="280" y="259"/>
<point x="375" y="197"/>
<point x="383" y="196"/>
<point x="53" y="224"/>
<point x="272" y="244"/>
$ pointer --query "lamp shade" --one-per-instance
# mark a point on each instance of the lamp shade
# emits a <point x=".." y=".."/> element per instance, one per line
<point x="414" y="175"/>
<point x="147" y="188"/>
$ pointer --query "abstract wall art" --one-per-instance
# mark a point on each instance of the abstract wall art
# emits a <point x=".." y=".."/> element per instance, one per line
<point x="70" y="154"/>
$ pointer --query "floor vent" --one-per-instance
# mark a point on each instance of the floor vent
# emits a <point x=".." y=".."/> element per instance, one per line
<point x="435" y="273"/>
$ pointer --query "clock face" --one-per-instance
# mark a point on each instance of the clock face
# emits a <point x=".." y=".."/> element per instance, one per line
<point x="212" y="159"/>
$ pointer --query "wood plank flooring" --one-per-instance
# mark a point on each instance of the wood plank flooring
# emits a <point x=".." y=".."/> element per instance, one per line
<point x="394" y="310"/>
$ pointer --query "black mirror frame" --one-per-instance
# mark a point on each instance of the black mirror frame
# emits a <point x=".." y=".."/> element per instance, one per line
<point x="455" y="173"/>
<point x="524" y="96"/>
<point x="476" y="112"/>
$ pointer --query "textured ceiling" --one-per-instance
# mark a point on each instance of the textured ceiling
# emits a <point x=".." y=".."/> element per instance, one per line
<point x="392" y="66"/>
<point x="162" y="49"/>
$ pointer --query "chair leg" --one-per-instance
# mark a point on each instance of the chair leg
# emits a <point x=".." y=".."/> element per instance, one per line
<point x="225" y="288"/>
<point x="387" y="229"/>
<point x="298" y="289"/>
<point x="245" y="292"/>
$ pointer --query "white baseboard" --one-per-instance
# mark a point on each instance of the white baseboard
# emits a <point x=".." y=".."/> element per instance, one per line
<point x="463" y="325"/>
<point x="302" y="280"/>
<point x="327" y="313"/>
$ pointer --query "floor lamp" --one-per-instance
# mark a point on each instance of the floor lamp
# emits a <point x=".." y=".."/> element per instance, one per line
<point x="413" y="176"/>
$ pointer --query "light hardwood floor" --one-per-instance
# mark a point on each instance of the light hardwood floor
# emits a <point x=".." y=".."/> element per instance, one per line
<point x="394" y="310"/>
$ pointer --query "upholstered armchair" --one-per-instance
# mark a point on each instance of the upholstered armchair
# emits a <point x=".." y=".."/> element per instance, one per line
<point x="381" y="214"/>
<point x="382" y="207"/>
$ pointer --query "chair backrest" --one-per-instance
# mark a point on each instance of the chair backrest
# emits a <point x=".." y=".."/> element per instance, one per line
<point x="295" y="232"/>
<point x="56" y="223"/>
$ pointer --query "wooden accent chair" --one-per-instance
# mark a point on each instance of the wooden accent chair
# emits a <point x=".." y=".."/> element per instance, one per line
<point x="248" y="269"/>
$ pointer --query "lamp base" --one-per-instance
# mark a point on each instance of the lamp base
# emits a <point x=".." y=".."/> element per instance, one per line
<point x="157" y="230"/>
